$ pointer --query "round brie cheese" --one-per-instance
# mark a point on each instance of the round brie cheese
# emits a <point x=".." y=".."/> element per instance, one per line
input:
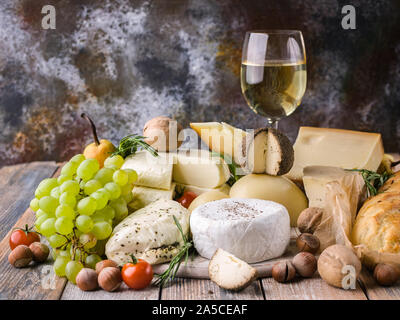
<point x="251" y="229"/>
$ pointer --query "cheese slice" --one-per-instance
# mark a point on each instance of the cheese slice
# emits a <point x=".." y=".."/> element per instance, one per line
<point x="198" y="190"/>
<point x="143" y="196"/>
<point x="335" y="147"/>
<point x="199" y="168"/>
<point x="315" y="180"/>
<point x="251" y="229"/>
<point x="153" y="172"/>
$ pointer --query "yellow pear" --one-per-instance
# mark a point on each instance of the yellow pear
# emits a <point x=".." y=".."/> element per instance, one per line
<point x="99" y="149"/>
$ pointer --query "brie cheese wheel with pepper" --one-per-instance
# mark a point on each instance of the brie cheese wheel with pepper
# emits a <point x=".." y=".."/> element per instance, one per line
<point x="251" y="229"/>
<point x="150" y="234"/>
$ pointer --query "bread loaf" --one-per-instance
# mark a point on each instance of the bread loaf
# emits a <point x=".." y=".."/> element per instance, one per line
<point x="377" y="225"/>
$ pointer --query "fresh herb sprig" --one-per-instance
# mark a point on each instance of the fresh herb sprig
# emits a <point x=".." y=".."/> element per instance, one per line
<point x="175" y="263"/>
<point x="130" y="144"/>
<point x="232" y="167"/>
<point x="373" y="180"/>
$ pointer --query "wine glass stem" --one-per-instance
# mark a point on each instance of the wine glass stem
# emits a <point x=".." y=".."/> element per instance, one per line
<point x="273" y="124"/>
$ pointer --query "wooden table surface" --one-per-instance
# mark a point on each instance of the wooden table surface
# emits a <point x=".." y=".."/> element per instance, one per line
<point x="17" y="185"/>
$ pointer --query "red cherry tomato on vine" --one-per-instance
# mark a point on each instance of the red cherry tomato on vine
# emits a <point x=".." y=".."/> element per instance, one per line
<point x="187" y="198"/>
<point x="137" y="274"/>
<point x="23" y="236"/>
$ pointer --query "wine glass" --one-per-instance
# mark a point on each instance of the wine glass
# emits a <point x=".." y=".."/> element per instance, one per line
<point x="273" y="73"/>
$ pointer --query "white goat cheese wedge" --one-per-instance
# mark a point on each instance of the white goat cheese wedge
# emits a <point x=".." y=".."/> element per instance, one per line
<point x="143" y="196"/>
<point x="199" y="168"/>
<point x="150" y="234"/>
<point x="251" y="229"/>
<point x="229" y="272"/>
<point x="225" y="188"/>
<point x="153" y="172"/>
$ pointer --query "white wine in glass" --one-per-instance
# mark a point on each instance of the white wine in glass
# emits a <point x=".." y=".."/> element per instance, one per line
<point x="273" y="73"/>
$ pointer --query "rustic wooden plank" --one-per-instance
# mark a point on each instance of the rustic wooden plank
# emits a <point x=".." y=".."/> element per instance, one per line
<point x="36" y="281"/>
<point x="18" y="190"/>
<point x="199" y="289"/>
<point x="308" y="289"/>
<point x="376" y="292"/>
<point x="72" y="292"/>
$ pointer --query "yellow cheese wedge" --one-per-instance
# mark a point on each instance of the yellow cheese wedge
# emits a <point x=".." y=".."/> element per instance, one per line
<point x="198" y="191"/>
<point x="199" y="168"/>
<point x="143" y="196"/>
<point x="335" y="147"/>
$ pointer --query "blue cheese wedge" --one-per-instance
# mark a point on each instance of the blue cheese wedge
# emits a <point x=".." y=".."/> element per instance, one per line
<point x="253" y="230"/>
<point x="143" y="196"/>
<point x="150" y="234"/>
<point x="153" y="172"/>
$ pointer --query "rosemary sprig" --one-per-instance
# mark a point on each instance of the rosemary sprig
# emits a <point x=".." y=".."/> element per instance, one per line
<point x="175" y="263"/>
<point x="373" y="180"/>
<point x="130" y="144"/>
<point x="232" y="167"/>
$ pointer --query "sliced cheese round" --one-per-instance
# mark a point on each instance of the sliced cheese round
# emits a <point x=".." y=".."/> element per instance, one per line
<point x="251" y="229"/>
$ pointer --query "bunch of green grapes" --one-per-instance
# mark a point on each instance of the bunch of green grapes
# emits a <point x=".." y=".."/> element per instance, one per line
<point x="76" y="212"/>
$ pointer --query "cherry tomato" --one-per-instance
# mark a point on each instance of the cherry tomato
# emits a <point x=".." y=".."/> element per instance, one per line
<point x="187" y="198"/>
<point x="23" y="236"/>
<point x="137" y="274"/>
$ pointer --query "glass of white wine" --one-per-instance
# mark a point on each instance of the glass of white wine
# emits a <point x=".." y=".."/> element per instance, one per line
<point x="273" y="74"/>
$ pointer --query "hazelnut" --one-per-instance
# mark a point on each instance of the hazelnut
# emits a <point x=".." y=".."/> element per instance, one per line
<point x="309" y="219"/>
<point x="104" y="264"/>
<point x="305" y="264"/>
<point x="308" y="243"/>
<point x="386" y="274"/>
<point x="283" y="271"/>
<point x="162" y="133"/>
<point x="21" y="256"/>
<point x="332" y="261"/>
<point x="86" y="279"/>
<point x="110" y="279"/>
<point x="40" y="251"/>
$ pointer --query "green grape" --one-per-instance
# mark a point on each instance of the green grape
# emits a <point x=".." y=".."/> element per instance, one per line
<point x="64" y="225"/>
<point x="78" y="158"/>
<point x="34" y="204"/>
<point x="84" y="224"/>
<point x="45" y="186"/>
<point x="120" y="177"/>
<point x="69" y="169"/>
<point x="56" y="240"/>
<point x="43" y="217"/>
<point x="79" y="254"/>
<point x="82" y="184"/>
<point x="72" y="269"/>
<point x="55" y="193"/>
<point x="132" y="175"/>
<point x="98" y="217"/>
<point x="121" y="210"/>
<point x="108" y="212"/>
<point x="101" y="196"/>
<point x="64" y="253"/>
<point x="128" y="197"/>
<point x="48" y="204"/>
<point x="87" y="169"/>
<point x="68" y="198"/>
<point x="40" y="212"/>
<point x="64" y="210"/>
<point x="71" y="187"/>
<point x="88" y="240"/>
<point x="60" y="265"/>
<point x="92" y="260"/>
<point x="126" y="189"/>
<point x="47" y="228"/>
<point x="91" y="186"/>
<point x="104" y="175"/>
<point x="114" y="161"/>
<point x="87" y="206"/>
<point x="113" y="189"/>
<point x="62" y="178"/>
<point x="101" y="230"/>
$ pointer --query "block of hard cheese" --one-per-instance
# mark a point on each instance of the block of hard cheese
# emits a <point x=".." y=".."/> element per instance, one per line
<point x="143" y="196"/>
<point x="316" y="178"/>
<point x="153" y="172"/>
<point x="200" y="168"/>
<point x="335" y="147"/>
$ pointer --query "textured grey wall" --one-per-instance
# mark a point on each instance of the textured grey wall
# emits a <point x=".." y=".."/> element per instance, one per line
<point x="124" y="62"/>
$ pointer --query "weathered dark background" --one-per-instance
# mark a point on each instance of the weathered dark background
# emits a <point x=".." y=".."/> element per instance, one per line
<point x="124" y="62"/>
